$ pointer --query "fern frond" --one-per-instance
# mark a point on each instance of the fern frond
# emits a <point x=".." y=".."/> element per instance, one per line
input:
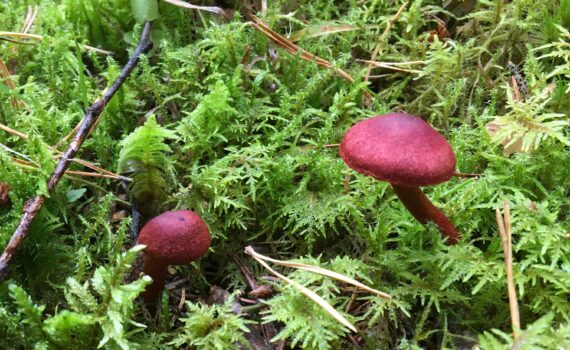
<point x="528" y="123"/>
<point x="145" y="153"/>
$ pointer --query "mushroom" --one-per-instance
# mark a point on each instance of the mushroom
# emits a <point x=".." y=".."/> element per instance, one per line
<point x="407" y="152"/>
<point x="172" y="238"/>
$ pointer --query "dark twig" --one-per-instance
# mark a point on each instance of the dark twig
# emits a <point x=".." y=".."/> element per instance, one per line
<point x="268" y="330"/>
<point x="521" y="84"/>
<point x="467" y="175"/>
<point x="246" y="272"/>
<point x="33" y="206"/>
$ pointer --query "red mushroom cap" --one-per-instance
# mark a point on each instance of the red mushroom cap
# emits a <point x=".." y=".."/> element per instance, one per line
<point x="398" y="148"/>
<point x="176" y="237"/>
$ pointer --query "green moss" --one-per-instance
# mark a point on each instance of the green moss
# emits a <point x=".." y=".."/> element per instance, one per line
<point x="251" y="123"/>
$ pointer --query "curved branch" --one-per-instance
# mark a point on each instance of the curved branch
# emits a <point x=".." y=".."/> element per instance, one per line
<point x="89" y="121"/>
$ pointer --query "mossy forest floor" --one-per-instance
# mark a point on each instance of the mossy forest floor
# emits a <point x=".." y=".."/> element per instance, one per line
<point x="237" y="116"/>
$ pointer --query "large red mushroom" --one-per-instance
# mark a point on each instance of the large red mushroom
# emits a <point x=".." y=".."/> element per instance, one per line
<point x="172" y="238"/>
<point x="407" y="152"/>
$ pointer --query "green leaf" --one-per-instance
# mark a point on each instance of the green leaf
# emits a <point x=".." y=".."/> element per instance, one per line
<point x="74" y="195"/>
<point x="145" y="10"/>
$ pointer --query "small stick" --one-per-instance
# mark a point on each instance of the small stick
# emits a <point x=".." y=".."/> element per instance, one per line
<point x="245" y="272"/>
<point x="182" y="299"/>
<point x="175" y="284"/>
<point x="456" y="174"/>
<point x="506" y="242"/>
<point x="33" y="206"/>
<point x="330" y="145"/>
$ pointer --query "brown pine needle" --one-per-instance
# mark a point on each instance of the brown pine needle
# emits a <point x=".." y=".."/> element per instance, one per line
<point x="68" y="136"/>
<point x="5" y="78"/>
<point x="5" y="75"/>
<point x="85" y="163"/>
<point x="293" y="49"/>
<point x="27" y="165"/>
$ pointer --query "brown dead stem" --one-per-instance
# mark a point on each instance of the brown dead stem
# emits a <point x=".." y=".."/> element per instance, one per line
<point x="507" y="244"/>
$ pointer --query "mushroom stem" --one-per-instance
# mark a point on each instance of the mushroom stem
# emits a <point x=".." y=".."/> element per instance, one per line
<point x="424" y="211"/>
<point x="156" y="269"/>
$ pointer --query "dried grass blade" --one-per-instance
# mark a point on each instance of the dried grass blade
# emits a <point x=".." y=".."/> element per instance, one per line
<point x="383" y="37"/>
<point x="506" y="242"/>
<point x="21" y="35"/>
<point x="309" y="293"/>
<point x="318" y="270"/>
<point x="30" y="18"/>
<point x="391" y="66"/>
<point x="13" y="132"/>
<point x="313" y="32"/>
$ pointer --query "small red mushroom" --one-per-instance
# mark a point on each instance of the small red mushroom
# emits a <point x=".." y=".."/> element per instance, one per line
<point x="172" y="238"/>
<point x="407" y="152"/>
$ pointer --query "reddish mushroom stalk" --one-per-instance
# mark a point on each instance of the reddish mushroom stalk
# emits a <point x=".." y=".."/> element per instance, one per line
<point x="419" y="205"/>
<point x="156" y="269"/>
<point x="407" y="152"/>
<point x="172" y="238"/>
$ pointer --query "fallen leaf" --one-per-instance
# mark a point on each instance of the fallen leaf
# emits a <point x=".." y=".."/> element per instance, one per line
<point x="509" y="144"/>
